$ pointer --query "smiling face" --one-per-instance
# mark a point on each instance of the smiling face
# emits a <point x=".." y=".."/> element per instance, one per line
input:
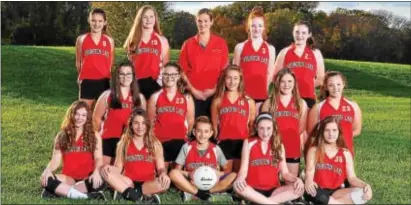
<point x="265" y="129"/>
<point x="232" y="80"/>
<point x="170" y="76"/>
<point x="139" y="126"/>
<point x="80" y="117"/>
<point x="148" y="19"/>
<point x="335" y="86"/>
<point x="256" y="27"/>
<point x="331" y="133"/>
<point x="203" y="132"/>
<point x="301" y="33"/>
<point x="287" y="84"/>
<point x="97" y="23"/>
<point x="125" y="75"/>
<point x="204" y="23"/>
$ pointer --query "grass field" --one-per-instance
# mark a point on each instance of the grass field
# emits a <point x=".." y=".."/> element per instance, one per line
<point x="39" y="83"/>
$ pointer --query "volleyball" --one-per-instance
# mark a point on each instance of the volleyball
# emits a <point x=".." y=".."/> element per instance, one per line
<point x="205" y="178"/>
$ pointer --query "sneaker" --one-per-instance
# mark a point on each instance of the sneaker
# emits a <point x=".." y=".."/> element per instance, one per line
<point x="187" y="196"/>
<point x="48" y="195"/>
<point x="99" y="195"/>
<point x="153" y="199"/>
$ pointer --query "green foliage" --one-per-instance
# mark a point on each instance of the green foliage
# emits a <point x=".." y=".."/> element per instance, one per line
<point x="178" y="27"/>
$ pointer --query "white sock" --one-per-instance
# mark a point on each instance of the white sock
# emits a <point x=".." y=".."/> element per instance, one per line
<point x="76" y="194"/>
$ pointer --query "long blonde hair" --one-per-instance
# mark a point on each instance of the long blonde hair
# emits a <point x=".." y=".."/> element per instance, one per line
<point x="134" y="37"/>
<point x="149" y="139"/>
<point x="221" y="87"/>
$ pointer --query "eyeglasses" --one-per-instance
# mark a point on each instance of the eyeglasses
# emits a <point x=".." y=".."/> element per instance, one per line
<point x="128" y="75"/>
<point x="170" y="75"/>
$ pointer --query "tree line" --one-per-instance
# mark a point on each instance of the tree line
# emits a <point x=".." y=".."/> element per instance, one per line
<point x="342" y="34"/>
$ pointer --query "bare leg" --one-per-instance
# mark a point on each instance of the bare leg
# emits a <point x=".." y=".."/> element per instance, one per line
<point x="293" y="168"/>
<point x="153" y="187"/>
<point x="342" y="196"/>
<point x="118" y="181"/>
<point x="181" y="182"/>
<point x="284" y="193"/>
<point x="107" y="160"/>
<point x="66" y="183"/>
<point x="224" y="184"/>
<point x="252" y="195"/>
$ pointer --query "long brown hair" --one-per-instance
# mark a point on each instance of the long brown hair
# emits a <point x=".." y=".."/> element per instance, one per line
<point x="181" y="83"/>
<point x="256" y="12"/>
<point x="221" y="87"/>
<point x="318" y="137"/>
<point x="115" y="87"/>
<point x="310" y="41"/>
<point x="275" y="138"/>
<point x="102" y="13"/>
<point x="324" y="93"/>
<point x="273" y="106"/>
<point x="67" y="135"/>
<point x="134" y="37"/>
<point x="149" y="139"/>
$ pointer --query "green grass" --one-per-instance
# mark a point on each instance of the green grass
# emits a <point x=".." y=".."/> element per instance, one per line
<point x="39" y="83"/>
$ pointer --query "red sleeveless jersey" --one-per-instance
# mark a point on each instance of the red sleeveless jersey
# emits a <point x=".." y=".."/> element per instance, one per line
<point x="203" y="65"/>
<point x="96" y="59"/>
<point x="288" y="121"/>
<point x="116" y="119"/>
<point x="345" y="113"/>
<point x="255" y="69"/>
<point x="304" y="68"/>
<point x="170" y="120"/>
<point x="233" y="118"/>
<point x="139" y="165"/>
<point x="194" y="160"/>
<point x="78" y="161"/>
<point x="331" y="173"/>
<point x="147" y="58"/>
<point x="262" y="172"/>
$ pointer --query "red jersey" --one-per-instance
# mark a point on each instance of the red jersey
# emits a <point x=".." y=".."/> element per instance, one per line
<point x="139" y="165"/>
<point x="170" y="120"/>
<point x="254" y="64"/>
<point x="262" y="172"/>
<point x="331" y="173"/>
<point x="96" y="58"/>
<point x="304" y="68"/>
<point x="203" y="65"/>
<point x="147" y="58"/>
<point x="233" y="118"/>
<point x="345" y="113"/>
<point x="288" y="121"/>
<point x="78" y="161"/>
<point x="116" y="119"/>
<point x="195" y="160"/>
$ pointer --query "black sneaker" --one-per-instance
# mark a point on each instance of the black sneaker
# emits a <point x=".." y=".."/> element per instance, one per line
<point x="48" y="195"/>
<point x="153" y="199"/>
<point x="97" y="195"/>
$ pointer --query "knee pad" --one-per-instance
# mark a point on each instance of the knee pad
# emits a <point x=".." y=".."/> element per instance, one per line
<point x="90" y="188"/>
<point x="132" y="194"/>
<point x="52" y="184"/>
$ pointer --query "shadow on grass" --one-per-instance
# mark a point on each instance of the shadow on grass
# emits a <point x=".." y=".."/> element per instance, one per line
<point x="360" y="79"/>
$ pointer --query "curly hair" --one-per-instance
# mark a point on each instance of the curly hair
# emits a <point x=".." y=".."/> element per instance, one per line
<point x="67" y="135"/>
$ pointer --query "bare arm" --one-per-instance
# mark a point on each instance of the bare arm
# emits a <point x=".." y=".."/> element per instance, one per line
<point x="214" y="115"/>
<point x="143" y="102"/>
<point x="265" y="106"/>
<point x="287" y="176"/>
<point x="271" y="67"/>
<point x="303" y="117"/>
<point x="98" y="153"/>
<point x="357" y="124"/>
<point x="320" y="68"/>
<point x="113" y="52"/>
<point x="310" y="165"/>
<point x="351" y="176"/>
<point x="245" y="156"/>
<point x="79" y="43"/>
<point x="237" y="53"/>
<point x="190" y="112"/>
<point x="165" y="51"/>
<point x="53" y="164"/>
<point x="100" y="109"/>
<point x="252" y="114"/>
<point x="279" y="63"/>
<point x="151" y="108"/>
<point x="312" y="118"/>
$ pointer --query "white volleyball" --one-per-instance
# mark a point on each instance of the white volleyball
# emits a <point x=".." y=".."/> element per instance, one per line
<point x="205" y="178"/>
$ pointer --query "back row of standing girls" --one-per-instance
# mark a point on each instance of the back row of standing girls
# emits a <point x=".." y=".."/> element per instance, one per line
<point x="234" y="102"/>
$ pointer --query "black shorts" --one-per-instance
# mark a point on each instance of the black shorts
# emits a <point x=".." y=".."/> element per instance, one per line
<point x="92" y="89"/>
<point x="231" y="148"/>
<point x="293" y="160"/>
<point x="148" y="86"/>
<point x="266" y="193"/>
<point x="110" y="146"/>
<point x="202" y="107"/>
<point x="259" y="100"/>
<point x="310" y="102"/>
<point x="322" y="197"/>
<point x="171" y="149"/>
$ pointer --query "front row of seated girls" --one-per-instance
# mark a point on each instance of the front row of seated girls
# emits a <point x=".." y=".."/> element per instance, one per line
<point x="139" y="174"/>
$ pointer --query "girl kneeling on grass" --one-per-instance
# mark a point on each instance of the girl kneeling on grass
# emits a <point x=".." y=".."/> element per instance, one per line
<point x="262" y="159"/>
<point x="329" y="163"/>
<point x="79" y="147"/>
<point x="197" y="153"/>
<point x="139" y="159"/>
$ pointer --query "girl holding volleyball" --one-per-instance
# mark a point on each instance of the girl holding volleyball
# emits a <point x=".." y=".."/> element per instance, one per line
<point x="148" y="49"/>
<point x="256" y="57"/>
<point x="232" y="114"/>
<point x="262" y="160"/>
<point x="290" y="113"/>
<point x="94" y="58"/>
<point x="197" y="153"/>
<point x="329" y="163"/>
<point x="138" y="172"/>
<point x="114" y="106"/>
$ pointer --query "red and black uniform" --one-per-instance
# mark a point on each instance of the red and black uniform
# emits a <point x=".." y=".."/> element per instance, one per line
<point x="345" y="113"/>
<point x="95" y="68"/>
<point x="147" y="59"/>
<point x="171" y="124"/>
<point x="203" y="65"/>
<point x="254" y="64"/>
<point x="259" y="165"/>
<point x="195" y="160"/>
<point x="233" y="125"/>
<point x="78" y="161"/>
<point x="139" y="165"/>
<point x="305" y="69"/>
<point x="288" y="121"/>
<point x="114" y="124"/>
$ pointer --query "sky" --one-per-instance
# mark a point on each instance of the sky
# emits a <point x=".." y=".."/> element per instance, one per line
<point x="398" y="8"/>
